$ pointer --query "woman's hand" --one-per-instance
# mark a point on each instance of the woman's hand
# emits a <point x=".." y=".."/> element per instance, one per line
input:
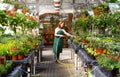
<point x="73" y="36"/>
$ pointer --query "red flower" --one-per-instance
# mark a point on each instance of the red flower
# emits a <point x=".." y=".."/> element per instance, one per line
<point x="8" y="11"/>
<point x="12" y="14"/>
<point x="32" y="18"/>
<point x="24" y="10"/>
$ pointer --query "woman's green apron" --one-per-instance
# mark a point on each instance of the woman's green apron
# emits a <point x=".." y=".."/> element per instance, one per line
<point x="58" y="43"/>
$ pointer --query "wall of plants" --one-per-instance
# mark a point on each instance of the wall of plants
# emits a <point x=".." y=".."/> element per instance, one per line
<point x="16" y="46"/>
<point x="99" y="35"/>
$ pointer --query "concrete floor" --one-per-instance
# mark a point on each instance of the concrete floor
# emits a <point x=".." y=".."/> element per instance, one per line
<point x="49" y="68"/>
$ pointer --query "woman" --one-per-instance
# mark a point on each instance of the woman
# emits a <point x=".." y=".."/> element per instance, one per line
<point x="58" y="40"/>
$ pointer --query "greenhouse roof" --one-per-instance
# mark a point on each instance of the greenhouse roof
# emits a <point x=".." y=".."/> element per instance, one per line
<point x="67" y="6"/>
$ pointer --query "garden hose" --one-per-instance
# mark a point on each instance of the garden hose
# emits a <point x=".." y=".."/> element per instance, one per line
<point x="64" y="64"/>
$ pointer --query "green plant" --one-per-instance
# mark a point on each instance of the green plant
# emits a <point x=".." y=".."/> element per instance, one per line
<point x="80" y="25"/>
<point x="8" y="64"/>
<point x="3" y="69"/>
<point x="106" y="62"/>
<point x="112" y="1"/>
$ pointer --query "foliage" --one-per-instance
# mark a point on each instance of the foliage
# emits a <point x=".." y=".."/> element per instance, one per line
<point x="5" y="67"/>
<point x="103" y="8"/>
<point x="107" y="62"/>
<point x="8" y="64"/>
<point x="16" y="3"/>
<point x="112" y="1"/>
<point x="3" y="18"/>
<point x="116" y="18"/>
<point x="15" y="19"/>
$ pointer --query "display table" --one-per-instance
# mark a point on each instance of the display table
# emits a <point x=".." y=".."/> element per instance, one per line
<point x="87" y="60"/>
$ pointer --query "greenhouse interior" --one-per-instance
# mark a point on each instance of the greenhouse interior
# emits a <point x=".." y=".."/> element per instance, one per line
<point x="59" y="38"/>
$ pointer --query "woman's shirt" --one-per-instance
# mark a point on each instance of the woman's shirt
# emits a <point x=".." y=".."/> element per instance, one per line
<point x="57" y="29"/>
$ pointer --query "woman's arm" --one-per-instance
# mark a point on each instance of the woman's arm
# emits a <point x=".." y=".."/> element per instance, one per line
<point x="66" y="33"/>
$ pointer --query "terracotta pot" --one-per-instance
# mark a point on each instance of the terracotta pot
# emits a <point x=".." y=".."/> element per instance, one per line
<point x="15" y="57"/>
<point x="2" y="59"/>
<point x="21" y="56"/>
<point x="99" y="50"/>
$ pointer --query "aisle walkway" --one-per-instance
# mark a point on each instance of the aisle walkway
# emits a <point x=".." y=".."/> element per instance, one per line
<point x="48" y="68"/>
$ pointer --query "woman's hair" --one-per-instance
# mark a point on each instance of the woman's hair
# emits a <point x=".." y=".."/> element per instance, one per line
<point x="59" y="24"/>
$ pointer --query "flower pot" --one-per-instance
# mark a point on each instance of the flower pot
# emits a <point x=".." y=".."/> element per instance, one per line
<point x="21" y="56"/>
<point x="15" y="57"/>
<point x="2" y="59"/>
<point x="99" y="50"/>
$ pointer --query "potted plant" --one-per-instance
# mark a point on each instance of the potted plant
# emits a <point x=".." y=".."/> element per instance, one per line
<point x="3" y="71"/>
<point x="109" y="64"/>
<point x="21" y="53"/>
<point x="100" y="9"/>
<point x="9" y="66"/>
<point x="106" y="62"/>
